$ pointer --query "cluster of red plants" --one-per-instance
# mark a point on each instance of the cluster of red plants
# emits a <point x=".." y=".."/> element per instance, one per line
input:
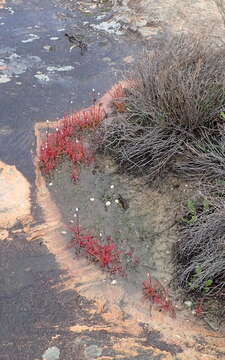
<point x="155" y="292"/>
<point x="67" y="141"/>
<point x="105" y="254"/>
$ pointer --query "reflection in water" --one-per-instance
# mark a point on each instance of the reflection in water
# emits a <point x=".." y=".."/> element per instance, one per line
<point x="2" y="3"/>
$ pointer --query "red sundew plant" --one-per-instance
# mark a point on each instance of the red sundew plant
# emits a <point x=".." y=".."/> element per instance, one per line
<point x="75" y="175"/>
<point x="105" y="254"/>
<point x="65" y="141"/>
<point x="198" y="309"/>
<point x="93" y="117"/>
<point x="117" y="92"/>
<point x="155" y="292"/>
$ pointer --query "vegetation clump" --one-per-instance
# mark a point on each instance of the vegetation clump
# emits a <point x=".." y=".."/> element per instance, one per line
<point x="199" y="255"/>
<point x="173" y="121"/>
<point x="176" y="102"/>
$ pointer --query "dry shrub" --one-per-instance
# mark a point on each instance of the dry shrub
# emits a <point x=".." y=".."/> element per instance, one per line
<point x="179" y="94"/>
<point x="205" y="159"/>
<point x="199" y="256"/>
<point x="221" y="7"/>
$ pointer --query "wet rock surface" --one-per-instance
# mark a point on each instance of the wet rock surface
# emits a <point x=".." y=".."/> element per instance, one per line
<point x="43" y="76"/>
<point x="14" y="198"/>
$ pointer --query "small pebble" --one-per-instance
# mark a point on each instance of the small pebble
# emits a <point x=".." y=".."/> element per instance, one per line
<point x="64" y="232"/>
<point x="92" y="199"/>
<point x="50" y="184"/>
<point x="112" y="187"/>
<point x="114" y="282"/>
<point x="77" y="209"/>
<point x="117" y="201"/>
<point x="92" y="352"/>
<point x="51" y="353"/>
<point x="188" y="303"/>
<point x="108" y="203"/>
<point x="100" y="234"/>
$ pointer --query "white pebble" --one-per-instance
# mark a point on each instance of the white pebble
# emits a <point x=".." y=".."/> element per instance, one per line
<point x="64" y="232"/>
<point x="114" y="282"/>
<point x="92" y="199"/>
<point x="100" y="234"/>
<point x="117" y="201"/>
<point x="112" y="187"/>
<point x="108" y="203"/>
<point x="50" y="184"/>
<point x="77" y="209"/>
<point x="188" y="303"/>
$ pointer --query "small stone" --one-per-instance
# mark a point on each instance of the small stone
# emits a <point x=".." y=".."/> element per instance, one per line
<point x="108" y="203"/>
<point x="50" y="184"/>
<point x="64" y="232"/>
<point x="188" y="303"/>
<point x="107" y="59"/>
<point x="51" y="353"/>
<point x="117" y="201"/>
<point x="92" y="352"/>
<point x="114" y="282"/>
<point x="54" y="38"/>
<point x="141" y="22"/>
<point x="92" y="199"/>
<point x="77" y="209"/>
<point x="3" y="234"/>
<point x="112" y="187"/>
<point x="27" y="269"/>
<point x="128" y="59"/>
<point x="48" y="47"/>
